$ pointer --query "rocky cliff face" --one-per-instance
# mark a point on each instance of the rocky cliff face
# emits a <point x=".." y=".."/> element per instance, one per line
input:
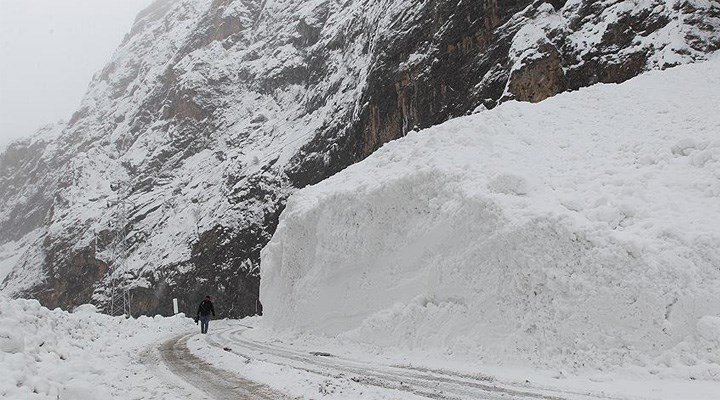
<point x="211" y="113"/>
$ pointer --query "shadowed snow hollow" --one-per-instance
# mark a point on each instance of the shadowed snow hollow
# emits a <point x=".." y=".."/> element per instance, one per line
<point x="584" y="230"/>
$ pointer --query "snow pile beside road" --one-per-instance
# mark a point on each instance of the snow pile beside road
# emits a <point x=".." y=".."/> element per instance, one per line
<point x="83" y="355"/>
<point x="583" y="231"/>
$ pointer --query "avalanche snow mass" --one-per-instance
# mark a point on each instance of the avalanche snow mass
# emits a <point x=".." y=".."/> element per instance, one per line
<point x="583" y="231"/>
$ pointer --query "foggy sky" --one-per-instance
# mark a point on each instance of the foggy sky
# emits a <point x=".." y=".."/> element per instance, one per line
<point x="49" y="51"/>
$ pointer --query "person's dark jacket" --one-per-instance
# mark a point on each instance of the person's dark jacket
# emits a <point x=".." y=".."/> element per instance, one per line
<point x="206" y="308"/>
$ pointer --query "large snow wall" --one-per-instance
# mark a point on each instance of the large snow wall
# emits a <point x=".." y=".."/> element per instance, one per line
<point x="583" y="230"/>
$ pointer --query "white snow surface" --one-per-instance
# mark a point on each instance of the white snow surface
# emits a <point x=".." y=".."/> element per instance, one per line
<point x="582" y="232"/>
<point x="54" y="354"/>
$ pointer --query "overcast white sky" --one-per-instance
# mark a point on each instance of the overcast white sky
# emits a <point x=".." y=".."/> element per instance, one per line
<point x="49" y="51"/>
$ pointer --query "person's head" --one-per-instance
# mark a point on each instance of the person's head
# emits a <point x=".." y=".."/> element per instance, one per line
<point x="207" y="297"/>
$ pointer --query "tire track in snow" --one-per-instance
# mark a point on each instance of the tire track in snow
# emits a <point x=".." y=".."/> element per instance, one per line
<point x="433" y="384"/>
<point x="217" y="383"/>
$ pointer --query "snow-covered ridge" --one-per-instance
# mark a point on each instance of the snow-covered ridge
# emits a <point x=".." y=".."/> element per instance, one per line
<point x="580" y="231"/>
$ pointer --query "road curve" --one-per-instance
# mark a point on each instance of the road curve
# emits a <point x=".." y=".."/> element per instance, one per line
<point x="217" y="383"/>
<point x="425" y="383"/>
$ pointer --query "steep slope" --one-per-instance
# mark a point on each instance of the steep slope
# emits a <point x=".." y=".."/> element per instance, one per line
<point x="211" y="113"/>
<point x="547" y="233"/>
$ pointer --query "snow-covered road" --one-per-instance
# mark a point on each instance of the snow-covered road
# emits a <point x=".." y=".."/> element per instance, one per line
<point x="53" y="354"/>
<point x="217" y="383"/>
<point x="379" y="380"/>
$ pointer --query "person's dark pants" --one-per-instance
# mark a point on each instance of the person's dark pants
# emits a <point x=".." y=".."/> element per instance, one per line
<point x="204" y="322"/>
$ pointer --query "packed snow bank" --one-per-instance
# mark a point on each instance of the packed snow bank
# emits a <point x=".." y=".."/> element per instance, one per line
<point x="580" y="231"/>
<point x="83" y="355"/>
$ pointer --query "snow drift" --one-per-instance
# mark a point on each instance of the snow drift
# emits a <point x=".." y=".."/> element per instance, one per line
<point x="54" y="354"/>
<point x="581" y="231"/>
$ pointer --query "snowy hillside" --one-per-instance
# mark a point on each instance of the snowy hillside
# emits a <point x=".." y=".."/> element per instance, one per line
<point x="579" y="232"/>
<point x="211" y="113"/>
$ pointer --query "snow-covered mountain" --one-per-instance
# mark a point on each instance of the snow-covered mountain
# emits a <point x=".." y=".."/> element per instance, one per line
<point x="210" y="114"/>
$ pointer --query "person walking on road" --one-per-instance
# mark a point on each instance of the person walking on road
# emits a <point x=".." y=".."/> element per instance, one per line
<point x="203" y="314"/>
